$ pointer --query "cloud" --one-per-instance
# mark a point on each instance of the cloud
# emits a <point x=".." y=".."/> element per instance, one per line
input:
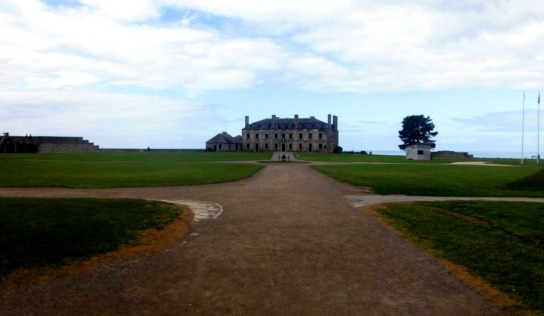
<point x="44" y="45"/>
<point x="124" y="10"/>
<point x="497" y="122"/>
<point x="70" y="55"/>
<point x="270" y="15"/>
<point x="101" y="115"/>
<point x="344" y="46"/>
<point x="409" y="47"/>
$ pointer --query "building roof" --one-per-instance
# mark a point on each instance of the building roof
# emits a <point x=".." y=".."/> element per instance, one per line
<point x="288" y="123"/>
<point x="225" y="138"/>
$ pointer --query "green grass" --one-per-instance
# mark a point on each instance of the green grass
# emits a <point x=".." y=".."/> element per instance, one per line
<point x="502" y="243"/>
<point x="434" y="180"/>
<point x="39" y="232"/>
<point x="534" y="182"/>
<point x="360" y="158"/>
<point x="124" y="170"/>
<point x="323" y="157"/>
<point x="155" y="157"/>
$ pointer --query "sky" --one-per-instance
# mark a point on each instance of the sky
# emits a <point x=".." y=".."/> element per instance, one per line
<point x="174" y="73"/>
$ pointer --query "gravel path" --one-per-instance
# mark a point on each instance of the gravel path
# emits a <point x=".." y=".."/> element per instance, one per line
<point x="288" y="241"/>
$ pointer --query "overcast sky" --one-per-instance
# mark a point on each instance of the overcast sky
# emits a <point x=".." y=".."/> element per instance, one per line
<point x="174" y="73"/>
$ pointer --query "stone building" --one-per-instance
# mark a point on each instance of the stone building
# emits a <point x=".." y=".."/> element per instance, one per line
<point x="290" y="134"/>
<point x="418" y="152"/>
<point x="45" y="144"/>
<point x="224" y="142"/>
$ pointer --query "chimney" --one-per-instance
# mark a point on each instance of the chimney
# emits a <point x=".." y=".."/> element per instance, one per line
<point x="329" y="121"/>
<point x="247" y="121"/>
<point x="274" y="122"/>
<point x="335" y="122"/>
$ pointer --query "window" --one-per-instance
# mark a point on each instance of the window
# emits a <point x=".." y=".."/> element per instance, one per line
<point x="283" y="136"/>
<point x="300" y="135"/>
<point x="266" y="145"/>
<point x="291" y="135"/>
<point x="310" y="135"/>
<point x="266" y="135"/>
<point x="299" y="146"/>
<point x="320" y="146"/>
<point x="256" y="135"/>
<point x="275" y="146"/>
<point x="276" y="135"/>
<point x="247" y="146"/>
<point x="290" y="146"/>
<point x="420" y="152"/>
<point x="248" y="135"/>
<point x="320" y="135"/>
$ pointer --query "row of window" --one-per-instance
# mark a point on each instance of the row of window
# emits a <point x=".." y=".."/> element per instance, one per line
<point x="290" y="146"/>
<point x="283" y="135"/>
<point x="288" y="126"/>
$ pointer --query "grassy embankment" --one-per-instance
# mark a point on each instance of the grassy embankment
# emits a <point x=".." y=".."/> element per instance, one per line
<point x="499" y="242"/>
<point x="49" y="232"/>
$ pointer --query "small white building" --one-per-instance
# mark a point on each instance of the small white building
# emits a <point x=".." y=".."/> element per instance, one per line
<point x="418" y="152"/>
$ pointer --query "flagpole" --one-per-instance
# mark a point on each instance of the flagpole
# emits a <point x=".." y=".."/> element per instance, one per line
<point x="538" y="133"/>
<point x="522" y="127"/>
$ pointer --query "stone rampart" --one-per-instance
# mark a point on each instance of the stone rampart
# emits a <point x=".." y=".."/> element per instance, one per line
<point x="45" y="144"/>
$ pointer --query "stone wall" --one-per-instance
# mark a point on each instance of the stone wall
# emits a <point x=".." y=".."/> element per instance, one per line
<point x="45" y="144"/>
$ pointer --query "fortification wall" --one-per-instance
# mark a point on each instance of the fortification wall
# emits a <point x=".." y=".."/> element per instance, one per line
<point x="45" y="144"/>
<point x="67" y="148"/>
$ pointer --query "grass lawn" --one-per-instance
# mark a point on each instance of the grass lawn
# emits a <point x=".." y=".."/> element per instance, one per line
<point x="124" y="169"/>
<point x="502" y="242"/>
<point x="437" y="179"/>
<point x="354" y="157"/>
<point x="39" y="232"/>
<point x="155" y="157"/>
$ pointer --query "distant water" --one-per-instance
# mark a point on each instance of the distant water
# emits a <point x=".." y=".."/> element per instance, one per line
<point x="387" y="152"/>
<point x="477" y="154"/>
<point x="503" y="154"/>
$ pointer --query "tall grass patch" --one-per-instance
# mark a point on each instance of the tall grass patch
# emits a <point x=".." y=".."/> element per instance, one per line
<point x="46" y="232"/>
<point x="498" y="241"/>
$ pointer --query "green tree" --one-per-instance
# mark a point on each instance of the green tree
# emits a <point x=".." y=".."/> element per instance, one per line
<point x="417" y="129"/>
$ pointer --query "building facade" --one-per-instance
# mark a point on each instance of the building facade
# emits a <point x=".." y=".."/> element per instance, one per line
<point x="418" y="152"/>
<point x="224" y="142"/>
<point x="290" y="134"/>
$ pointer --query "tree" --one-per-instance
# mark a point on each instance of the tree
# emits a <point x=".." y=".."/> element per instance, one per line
<point x="417" y="129"/>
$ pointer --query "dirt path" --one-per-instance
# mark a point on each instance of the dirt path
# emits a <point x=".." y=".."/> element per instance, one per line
<point x="288" y="242"/>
